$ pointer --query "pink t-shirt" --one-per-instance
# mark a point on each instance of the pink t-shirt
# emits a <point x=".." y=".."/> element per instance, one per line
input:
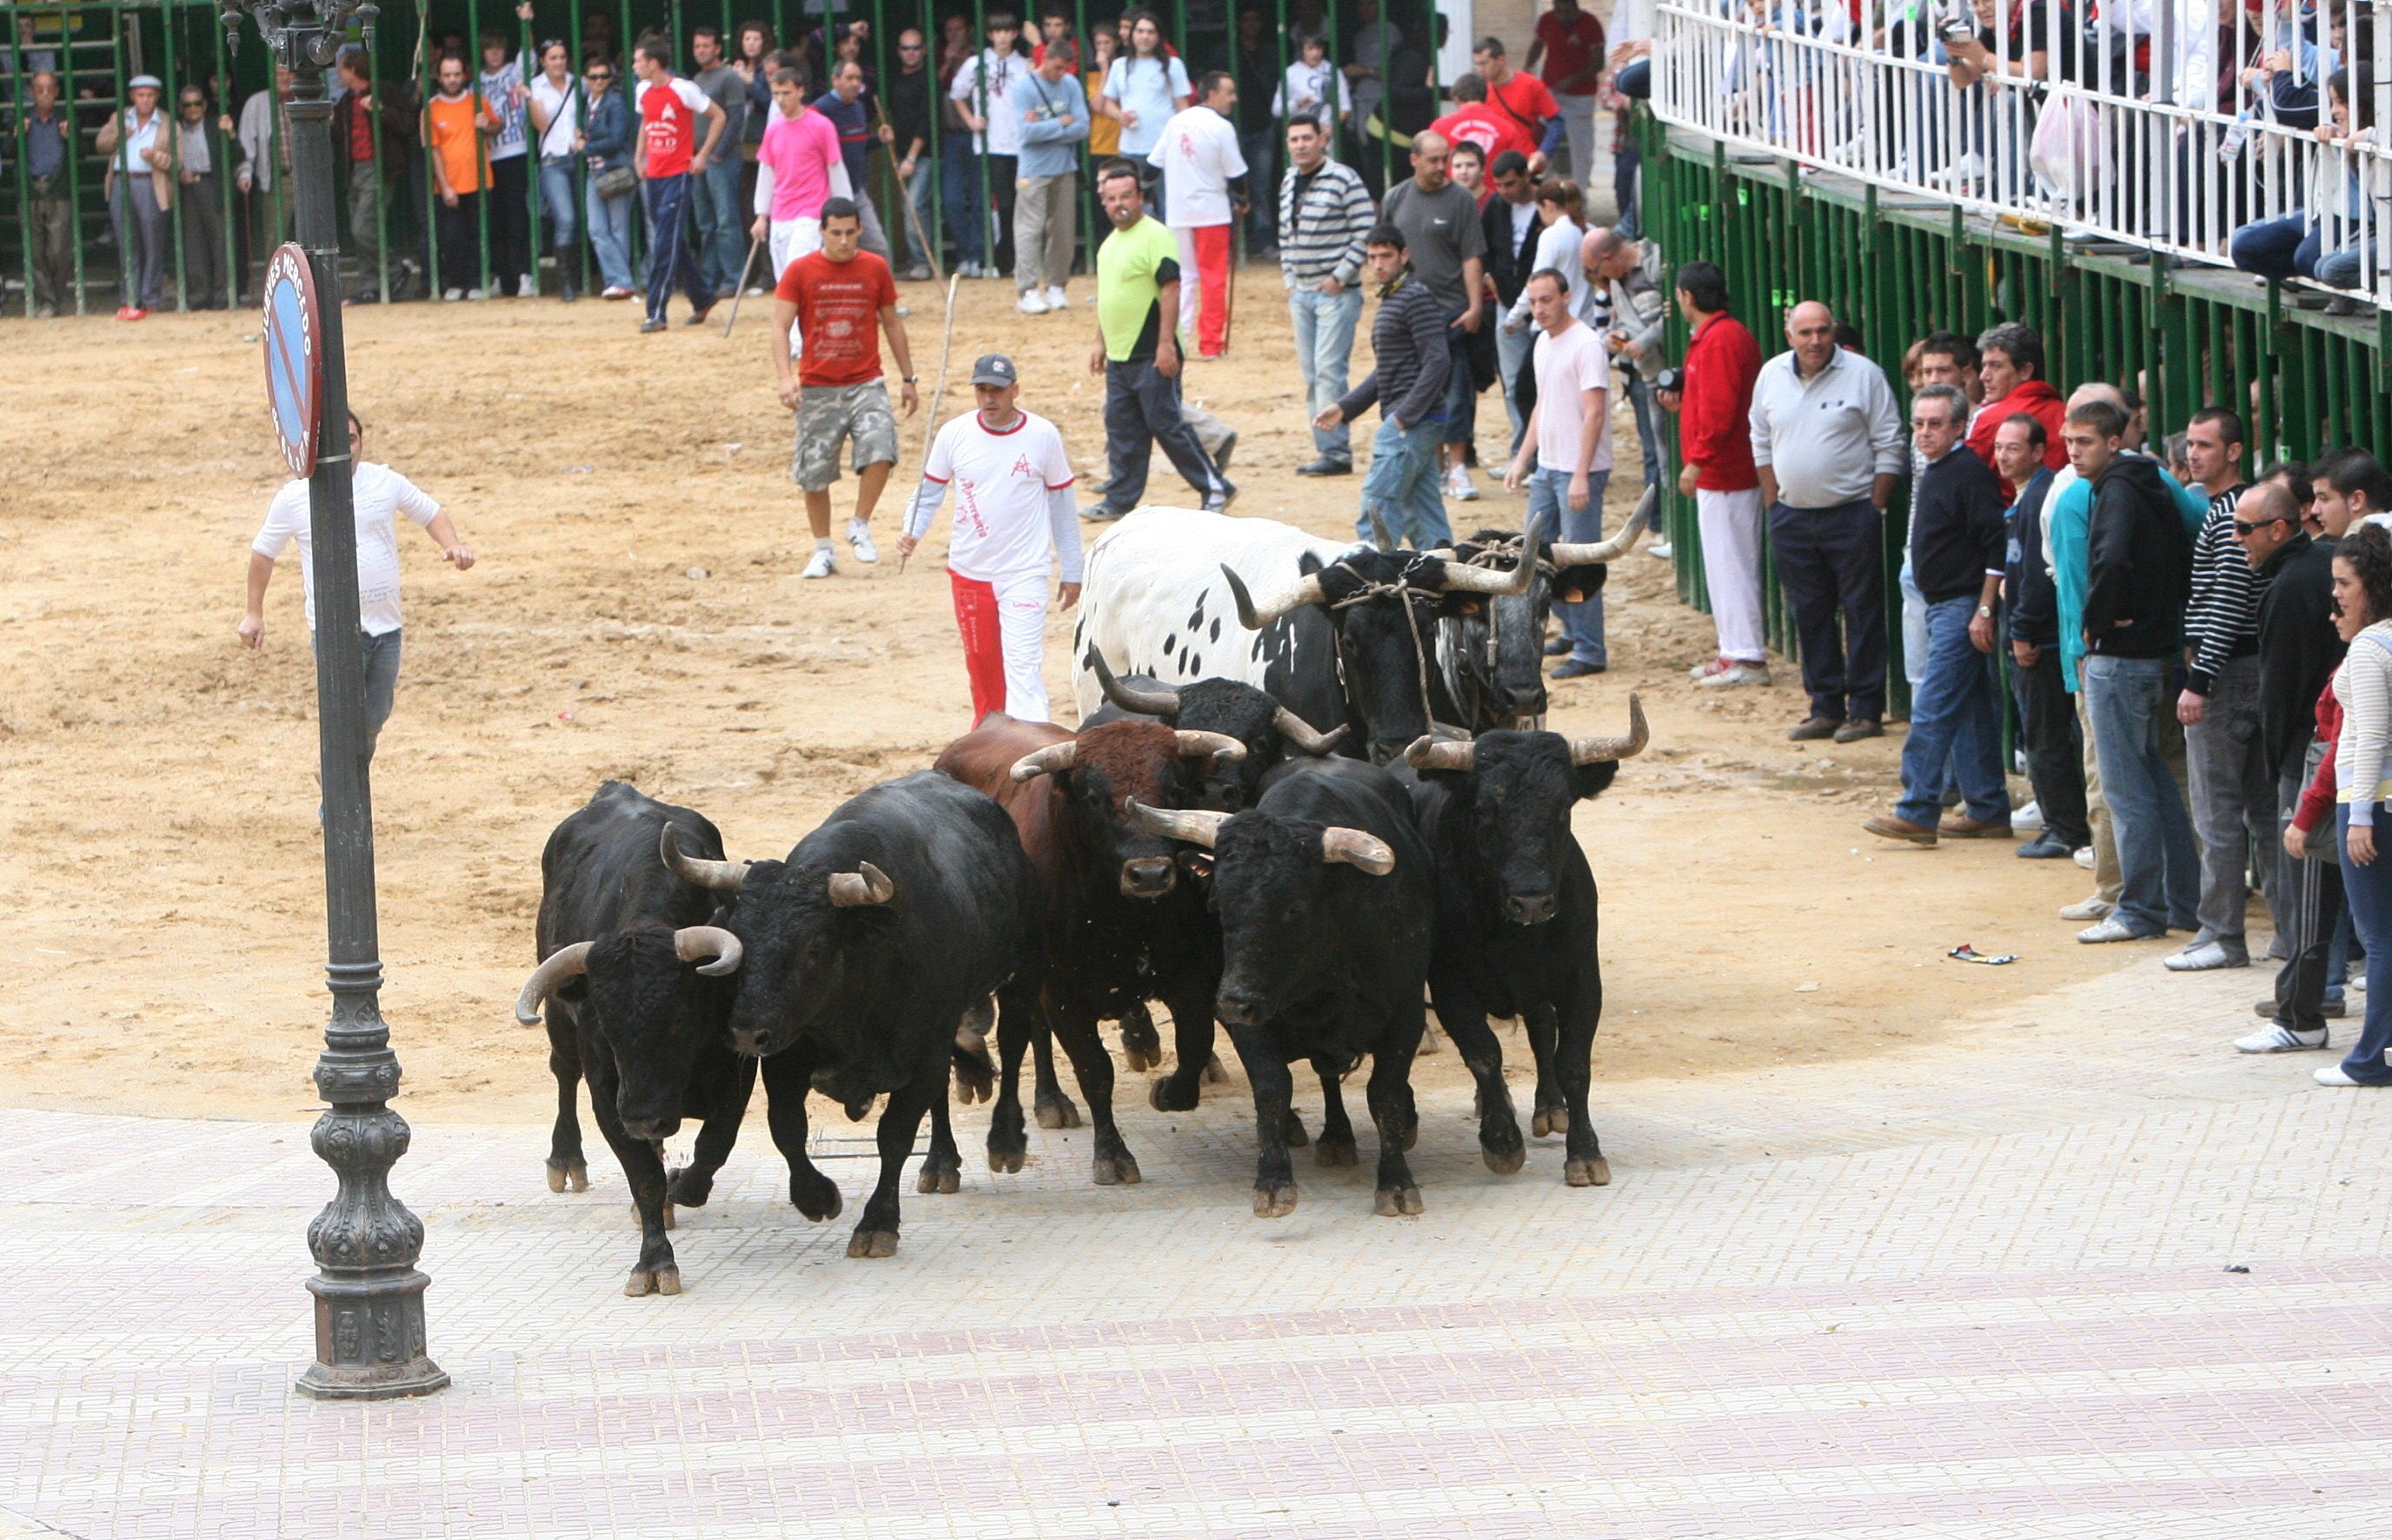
<point x="1568" y="366"/>
<point x="801" y="150"/>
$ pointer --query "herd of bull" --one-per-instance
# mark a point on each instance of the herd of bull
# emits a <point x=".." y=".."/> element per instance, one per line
<point x="1300" y="816"/>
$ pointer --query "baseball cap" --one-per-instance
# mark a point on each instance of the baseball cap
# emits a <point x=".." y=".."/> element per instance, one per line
<point x="993" y="369"/>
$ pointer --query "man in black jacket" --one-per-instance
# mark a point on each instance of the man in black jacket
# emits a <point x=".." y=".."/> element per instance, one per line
<point x="1408" y="337"/>
<point x="2055" y="754"/>
<point x="2299" y="650"/>
<point x="2138" y="572"/>
<point x="1508" y="221"/>
<point x="1957" y="541"/>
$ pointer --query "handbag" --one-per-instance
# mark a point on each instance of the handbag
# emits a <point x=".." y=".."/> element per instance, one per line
<point x="615" y="182"/>
<point x="2318" y="843"/>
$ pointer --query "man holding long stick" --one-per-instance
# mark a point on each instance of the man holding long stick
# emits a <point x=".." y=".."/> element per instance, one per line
<point x="840" y="297"/>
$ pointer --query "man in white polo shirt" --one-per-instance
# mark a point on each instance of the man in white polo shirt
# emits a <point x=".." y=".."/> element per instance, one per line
<point x="1014" y="519"/>
<point x="380" y="493"/>
<point x="1565" y="457"/>
<point x="1201" y="168"/>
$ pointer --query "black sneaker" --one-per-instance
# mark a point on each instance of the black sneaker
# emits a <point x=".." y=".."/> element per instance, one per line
<point x="1102" y="514"/>
<point x="1326" y="467"/>
<point x="1229" y="446"/>
<point x="697" y="317"/>
<point x="1558" y="648"/>
<point x="1575" y="669"/>
<point x="2044" y="846"/>
<point x="647" y="327"/>
<point x="1813" y="729"/>
<point x="1221" y="504"/>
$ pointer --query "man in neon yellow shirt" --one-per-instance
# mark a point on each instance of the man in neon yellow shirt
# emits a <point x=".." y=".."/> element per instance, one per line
<point x="1138" y="353"/>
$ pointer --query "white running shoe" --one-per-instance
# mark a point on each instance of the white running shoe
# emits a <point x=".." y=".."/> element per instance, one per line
<point x="1458" y="488"/>
<point x="859" y="538"/>
<point x="1735" y="673"/>
<point x="821" y="566"/>
<point x="1033" y="302"/>
<point x="1659" y="551"/>
<point x="1057" y="299"/>
<point x="2277" y="1038"/>
<point x="2084" y="857"/>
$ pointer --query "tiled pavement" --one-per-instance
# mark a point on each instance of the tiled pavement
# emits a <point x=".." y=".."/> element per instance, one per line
<point x="1974" y="1289"/>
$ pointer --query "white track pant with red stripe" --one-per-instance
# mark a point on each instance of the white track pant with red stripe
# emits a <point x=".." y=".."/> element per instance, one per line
<point x="1003" y="622"/>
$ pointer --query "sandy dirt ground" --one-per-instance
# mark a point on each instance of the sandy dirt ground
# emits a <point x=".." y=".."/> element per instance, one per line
<point x="636" y="613"/>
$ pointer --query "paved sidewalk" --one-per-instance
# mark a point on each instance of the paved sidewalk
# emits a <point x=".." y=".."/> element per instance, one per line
<point x="1976" y="1289"/>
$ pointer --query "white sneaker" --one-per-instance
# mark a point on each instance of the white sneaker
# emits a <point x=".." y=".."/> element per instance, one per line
<point x="1702" y="671"/>
<point x="2277" y="1038"/>
<point x="452" y="294"/>
<point x="859" y="538"/>
<point x="2330" y="1075"/>
<point x="2086" y="908"/>
<point x="1736" y="674"/>
<point x="1659" y="551"/>
<point x="2028" y="817"/>
<point x="1033" y="302"/>
<point x="821" y="566"/>
<point x="1458" y="488"/>
<point x="1057" y="299"/>
<point x="2083" y="858"/>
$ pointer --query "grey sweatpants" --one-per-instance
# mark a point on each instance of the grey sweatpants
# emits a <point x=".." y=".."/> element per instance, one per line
<point x="1045" y="221"/>
<point x="2233" y="804"/>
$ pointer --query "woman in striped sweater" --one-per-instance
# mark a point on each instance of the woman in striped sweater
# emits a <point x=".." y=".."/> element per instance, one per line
<point x="2363" y="778"/>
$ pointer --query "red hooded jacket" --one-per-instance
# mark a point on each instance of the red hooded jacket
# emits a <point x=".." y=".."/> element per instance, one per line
<point x="2037" y="400"/>
<point x="1715" y="414"/>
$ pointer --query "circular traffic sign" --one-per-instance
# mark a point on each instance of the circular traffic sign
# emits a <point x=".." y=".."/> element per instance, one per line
<point x="294" y="358"/>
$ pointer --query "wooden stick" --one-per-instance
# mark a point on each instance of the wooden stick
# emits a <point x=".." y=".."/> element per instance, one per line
<point x="741" y="291"/>
<point x="938" y="385"/>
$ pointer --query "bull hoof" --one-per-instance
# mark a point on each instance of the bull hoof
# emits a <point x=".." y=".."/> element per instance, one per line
<point x="1058" y="1111"/>
<point x="576" y="1176"/>
<point x="1428" y="1044"/>
<point x="1293" y="1134"/>
<point x="1004" y="1159"/>
<point x="974" y="1082"/>
<point x="817" y="1199"/>
<point x="1397" y="1202"/>
<point x="1596" y="1172"/>
<point x="668" y="1214"/>
<point x="1117" y="1170"/>
<point x="1141" y="1045"/>
<point x="1549" y="1120"/>
<point x="689" y="1189"/>
<point x="1274" y="1202"/>
<point x="555" y="1177"/>
<point x="1335" y="1149"/>
<point x="643" y="1282"/>
<point x="1214" y="1073"/>
<point x="1503" y="1163"/>
<point x="1136" y="1058"/>
<point x="936" y="1180"/>
<point x="1168" y="1096"/>
<point x="872" y="1243"/>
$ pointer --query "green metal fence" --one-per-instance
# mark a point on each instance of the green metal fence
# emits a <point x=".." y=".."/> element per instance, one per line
<point x="1899" y="268"/>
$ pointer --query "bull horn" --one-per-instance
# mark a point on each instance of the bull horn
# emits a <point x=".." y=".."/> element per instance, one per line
<point x="1579" y="553"/>
<point x="1305" y="590"/>
<point x="1591" y="751"/>
<point x="1356" y="849"/>
<point x="1380" y="536"/>
<point x="1304" y="735"/>
<point x="556" y="968"/>
<point x="1219" y="745"/>
<point x="692" y="942"/>
<point x="1053" y="759"/>
<point x="1161" y="702"/>
<point x="1196" y="828"/>
<point x="723" y="876"/>
<point x="866" y="885"/>
<point x="1445" y="754"/>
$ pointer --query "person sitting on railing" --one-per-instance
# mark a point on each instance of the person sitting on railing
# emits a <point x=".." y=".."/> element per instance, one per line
<point x="2294" y="246"/>
<point x="2289" y="75"/>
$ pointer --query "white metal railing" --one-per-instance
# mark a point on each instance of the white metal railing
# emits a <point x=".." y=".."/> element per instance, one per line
<point x="2216" y="131"/>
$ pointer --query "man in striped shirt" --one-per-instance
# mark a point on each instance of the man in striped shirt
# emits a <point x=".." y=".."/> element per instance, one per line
<point x="1409" y="337"/>
<point x="1324" y="213"/>
<point x="2233" y="787"/>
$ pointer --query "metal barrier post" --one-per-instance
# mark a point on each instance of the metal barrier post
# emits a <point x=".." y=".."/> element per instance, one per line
<point x="170" y="105"/>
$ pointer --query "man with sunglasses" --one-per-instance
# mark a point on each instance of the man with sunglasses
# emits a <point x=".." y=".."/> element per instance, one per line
<point x="906" y="95"/>
<point x="199" y="204"/>
<point x="380" y="493"/>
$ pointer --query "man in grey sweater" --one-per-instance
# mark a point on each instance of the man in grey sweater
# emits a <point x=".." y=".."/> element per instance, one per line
<point x="1640" y="308"/>
<point x="1409" y="336"/>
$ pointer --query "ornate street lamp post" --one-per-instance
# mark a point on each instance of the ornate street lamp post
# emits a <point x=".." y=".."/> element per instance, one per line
<point x="370" y="1338"/>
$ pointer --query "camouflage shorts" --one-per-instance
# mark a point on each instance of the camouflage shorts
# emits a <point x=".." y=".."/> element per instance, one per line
<point x="829" y="413"/>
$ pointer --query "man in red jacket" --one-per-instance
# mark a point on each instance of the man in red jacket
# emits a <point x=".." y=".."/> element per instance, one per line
<point x="2010" y="364"/>
<point x="1715" y="451"/>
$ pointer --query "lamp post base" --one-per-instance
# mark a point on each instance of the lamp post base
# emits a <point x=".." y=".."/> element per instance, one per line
<point x="369" y="1341"/>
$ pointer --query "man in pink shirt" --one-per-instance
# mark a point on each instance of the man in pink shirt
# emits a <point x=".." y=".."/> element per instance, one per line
<point x="794" y="166"/>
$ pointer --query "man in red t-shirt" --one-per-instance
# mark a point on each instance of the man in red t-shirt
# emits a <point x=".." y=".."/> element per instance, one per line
<point x="1473" y="121"/>
<point x="1521" y="100"/>
<point x="1715" y="454"/>
<point x="840" y="297"/>
<point x="1569" y="41"/>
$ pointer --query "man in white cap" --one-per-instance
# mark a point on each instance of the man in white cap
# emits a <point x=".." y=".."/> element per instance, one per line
<point x="1014" y="519"/>
<point x="140" y="146"/>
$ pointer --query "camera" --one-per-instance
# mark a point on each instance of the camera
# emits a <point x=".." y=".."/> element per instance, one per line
<point x="1669" y="379"/>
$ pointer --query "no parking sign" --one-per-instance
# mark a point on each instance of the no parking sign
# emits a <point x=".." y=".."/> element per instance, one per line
<point x="295" y="357"/>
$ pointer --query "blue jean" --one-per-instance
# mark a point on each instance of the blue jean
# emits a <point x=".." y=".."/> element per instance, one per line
<point x="556" y="200"/>
<point x="382" y="683"/>
<point x="670" y="258"/>
<point x="1403" y="484"/>
<point x="1954" y="720"/>
<point x="1648" y="436"/>
<point x="2159" y="860"/>
<point x="1549" y="508"/>
<point x="722" y="234"/>
<point x="2367" y="889"/>
<point x="1512" y="350"/>
<point x="1325" y="349"/>
<point x="2342" y="269"/>
<point x="1461" y="389"/>
<point x="610" y="237"/>
<point x="2286" y="248"/>
<point x="967" y="210"/>
<point x="919" y="191"/>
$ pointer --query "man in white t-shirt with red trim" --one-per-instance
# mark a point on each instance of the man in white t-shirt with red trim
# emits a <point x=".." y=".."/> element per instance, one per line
<point x="1203" y="196"/>
<point x="1014" y="519"/>
<point x="1568" y="444"/>
<point x="668" y="153"/>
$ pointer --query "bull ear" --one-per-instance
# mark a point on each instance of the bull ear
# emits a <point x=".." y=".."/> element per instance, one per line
<point x="1356" y="847"/>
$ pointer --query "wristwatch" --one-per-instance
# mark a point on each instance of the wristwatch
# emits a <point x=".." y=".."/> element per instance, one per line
<point x="1984" y="612"/>
<point x="908" y="380"/>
